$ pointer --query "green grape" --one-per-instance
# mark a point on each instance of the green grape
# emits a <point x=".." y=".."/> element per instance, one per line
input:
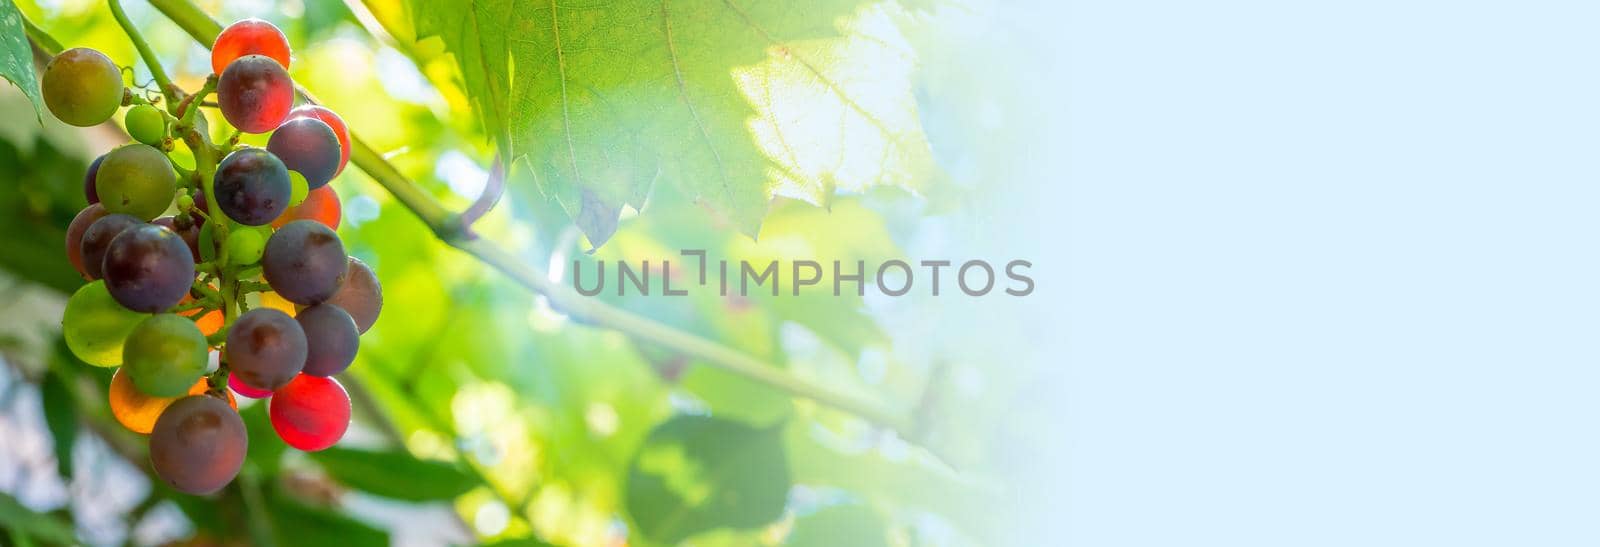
<point x="207" y="242"/>
<point x="137" y="180"/>
<point x="245" y="245"/>
<point x="165" y="355"/>
<point x="185" y="203"/>
<point x="95" y="326"/>
<point x="146" y="124"/>
<point x="82" y="87"/>
<point x="298" y="189"/>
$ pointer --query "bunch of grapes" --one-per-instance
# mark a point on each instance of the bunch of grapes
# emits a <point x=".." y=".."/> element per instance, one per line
<point x="237" y="256"/>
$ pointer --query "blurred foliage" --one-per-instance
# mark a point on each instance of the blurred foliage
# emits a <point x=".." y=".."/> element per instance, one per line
<point x="653" y="128"/>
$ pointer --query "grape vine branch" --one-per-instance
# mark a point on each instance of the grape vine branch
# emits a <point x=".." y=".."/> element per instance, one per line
<point x="454" y="230"/>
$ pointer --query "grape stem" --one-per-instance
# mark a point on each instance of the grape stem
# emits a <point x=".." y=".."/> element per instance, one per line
<point x="493" y="189"/>
<point x="254" y="286"/>
<point x="149" y="56"/>
<point x="448" y="227"/>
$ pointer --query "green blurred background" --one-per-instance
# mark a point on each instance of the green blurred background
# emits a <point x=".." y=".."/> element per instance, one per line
<point x="485" y="415"/>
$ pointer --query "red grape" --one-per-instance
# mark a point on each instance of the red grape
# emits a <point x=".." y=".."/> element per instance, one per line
<point x="249" y="37"/>
<point x="148" y="268"/>
<point x="334" y="121"/>
<point x="304" y="262"/>
<point x="255" y="94"/>
<point x="321" y="205"/>
<point x="98" y="238"/>
<point x="247" y="391"/>
<point x="198" y="444"/>
<point x="311" y="413"/>
<point x="80" y="224"/>
<point x="266" y="349"/>
<point x="252" y="186"/>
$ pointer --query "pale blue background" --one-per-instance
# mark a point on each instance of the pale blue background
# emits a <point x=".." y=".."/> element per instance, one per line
<point x="1330" y="272"/>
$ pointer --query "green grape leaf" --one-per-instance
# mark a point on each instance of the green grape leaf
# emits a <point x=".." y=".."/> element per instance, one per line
<point x="301" y="525"/>
<point x="697" y="473"/>
<point x="17" y="519"/>
<point x="845" y="524"/>
<point x="16" y="56"/>
<point x="61" y="418"/>
<point x="729" y="102"/>
<point x="394" y="474"/>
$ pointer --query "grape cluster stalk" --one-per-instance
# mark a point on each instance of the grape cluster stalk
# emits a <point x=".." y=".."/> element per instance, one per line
<point x="220" y="280"/>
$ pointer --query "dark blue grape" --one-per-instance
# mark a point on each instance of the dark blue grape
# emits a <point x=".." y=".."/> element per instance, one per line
<point x="307" y="145"/>
<point x="304" y="262"/>
<point x="98" y="238"/>
<point x="148" y="268"/>
<point x="331" y="339"/>
<point x="89" y="192"/>
<point x="266" y="348"/>
<point x="252" y="186"/>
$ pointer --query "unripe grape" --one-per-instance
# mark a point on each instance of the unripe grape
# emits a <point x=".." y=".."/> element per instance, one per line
<point x="252" y="186"/>
<point x="304" y="262"/>
<point x="361" y="295"/>
<point x="146" y="124"/>
<point x="298" y="188"/>
<point x="266" y="348"/>
<point x="148" y="268"/>
<point x="307" y="146"/>
<point x="255" y="94"/>
<point x="165" y="354"/>
<point x="334" y="121"/>
<point x="321" y="205"/>
<point x="331" y="339"/>
<point x="249" y="37"/>
<point x="137" y="411"/>
<point x="136" y="179"/>
<point x="82" y="87"/>
<point x="245" y="246"/>
<point x="80" y="224"/>
<point x="198" y="444"/>
<point x="96" y="327"/>
<point x="310" y="413"/>
<point x="273" y="300"/>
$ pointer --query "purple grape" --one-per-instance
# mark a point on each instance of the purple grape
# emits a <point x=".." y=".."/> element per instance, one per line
<point x="266" y="348"/>
<point x="361" y="295"/>
<point x="98" y="238"/>
<point x="148" y="268"/>
<point x="89" y="192"/>
<point x="304" y="262"/>
<point x="190" y="233"/>
<point x="198" y="444"/>
<point x="307" y="145"/>
<point x="252" y="186"/>
<point x="331" y="339"/>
